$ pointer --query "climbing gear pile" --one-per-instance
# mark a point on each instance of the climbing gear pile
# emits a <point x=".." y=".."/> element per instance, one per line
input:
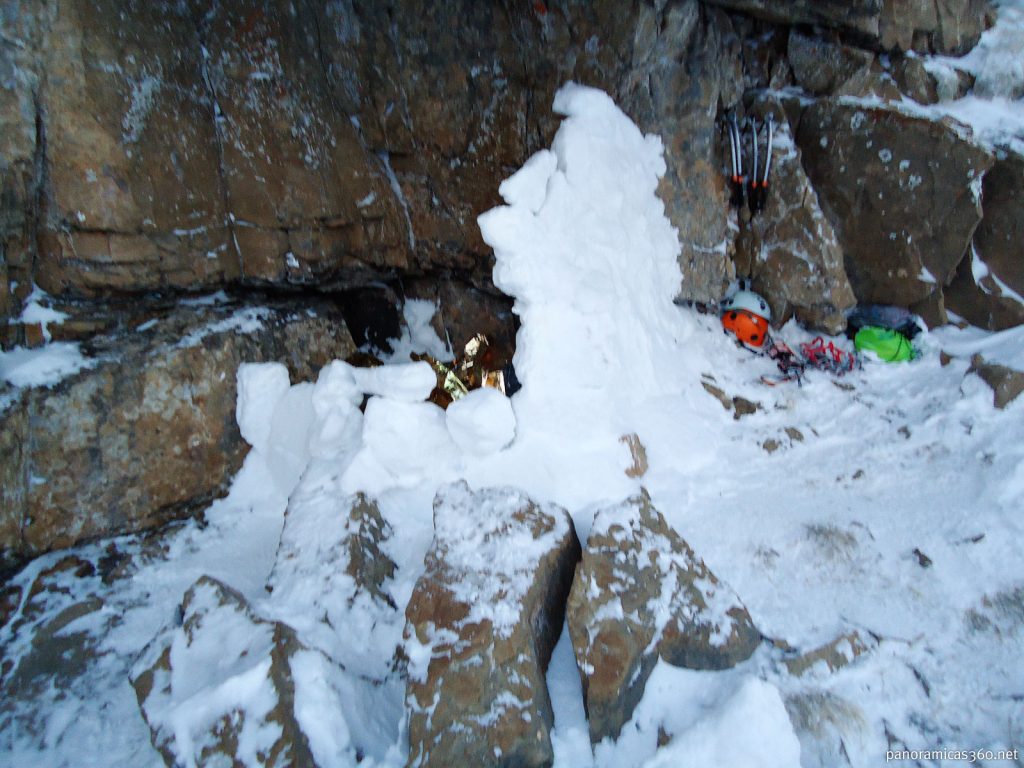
<point x="755" y="189"/>
<point x="828" y="357"/>
<point x="746" y="315"/>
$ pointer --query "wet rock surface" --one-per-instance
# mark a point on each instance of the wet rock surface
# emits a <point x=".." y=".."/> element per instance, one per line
<point x="481" y="625"/>
<point x="147" y="433"/>
<point x="640" y="594"/>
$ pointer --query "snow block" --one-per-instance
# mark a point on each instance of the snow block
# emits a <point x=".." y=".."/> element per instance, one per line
<point x="641" y="594"/>
<point x="482" y="422"/>
<point x="481" y="626"/>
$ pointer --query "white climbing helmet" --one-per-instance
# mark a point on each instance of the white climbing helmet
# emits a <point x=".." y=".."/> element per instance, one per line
<point x="749" y="301"/>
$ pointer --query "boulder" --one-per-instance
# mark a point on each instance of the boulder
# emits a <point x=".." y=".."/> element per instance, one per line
<point x="915" y="81"/>
<point x="147" y="433"/>
<point x="1006" y="383"/>
<point x="791" y="250"/>
<point x="880" y="174"/>
<point x="977" y="297"/>
<point x="640" y="594"/>
<point x="240" y="667"/>
<point x="481" y="625"/>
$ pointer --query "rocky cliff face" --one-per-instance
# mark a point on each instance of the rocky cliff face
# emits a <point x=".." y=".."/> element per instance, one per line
<point x="174" y="147"/>
<point x="153" y="150"/>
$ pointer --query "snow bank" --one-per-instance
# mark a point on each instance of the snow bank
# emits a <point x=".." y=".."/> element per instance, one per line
<point x="584" y="247"/>
<point x="748" y="726"/>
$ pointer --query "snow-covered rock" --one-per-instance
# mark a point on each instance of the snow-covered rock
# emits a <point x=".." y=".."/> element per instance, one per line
<point x="330" y="577"/>
<point x="482" y="622"/>
<point x="641" y="594"/>
<point x="220" y="687"/>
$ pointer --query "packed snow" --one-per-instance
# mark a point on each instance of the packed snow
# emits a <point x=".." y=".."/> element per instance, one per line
<point x="886" y="502"/>
<point x="43" y="366"/>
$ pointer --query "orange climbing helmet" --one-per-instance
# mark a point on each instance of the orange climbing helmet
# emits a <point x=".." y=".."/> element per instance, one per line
<point x="749" y="328"/>
<point x="745" y="315"/>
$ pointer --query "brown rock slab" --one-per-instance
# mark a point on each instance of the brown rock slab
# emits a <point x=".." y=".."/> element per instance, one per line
<point x="821" y="66"/>
<point x="880" y="174"/>
<point x="640" y="594"/>
<point x="481" y="625"/>
<point x="147" y="433"/>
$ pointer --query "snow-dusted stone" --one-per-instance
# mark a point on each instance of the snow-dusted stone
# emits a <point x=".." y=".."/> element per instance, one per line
<point x="792" y="251"/>
<point x="481" y="625"/>
<point x="148" y="432"/>
<point x="219" y="689"/>
<point x="641" y="594"/>
<point x="877" y="177"/>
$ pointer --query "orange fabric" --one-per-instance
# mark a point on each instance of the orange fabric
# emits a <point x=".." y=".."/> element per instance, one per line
<point x="746" y="326"/>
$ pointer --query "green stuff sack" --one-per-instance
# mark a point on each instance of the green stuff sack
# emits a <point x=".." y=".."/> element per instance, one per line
<point x="890" y="346"/>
